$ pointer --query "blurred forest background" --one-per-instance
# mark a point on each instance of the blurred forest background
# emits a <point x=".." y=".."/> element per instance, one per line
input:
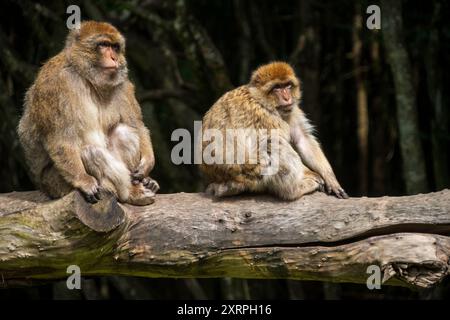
<point x="377" y="97"/>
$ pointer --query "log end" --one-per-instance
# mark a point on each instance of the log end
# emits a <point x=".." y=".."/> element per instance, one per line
<point x="103" y="216"/>
<point x="418" y="275"/>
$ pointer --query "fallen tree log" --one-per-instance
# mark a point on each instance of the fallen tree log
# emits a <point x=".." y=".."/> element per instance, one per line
<point x="184" y="235"/>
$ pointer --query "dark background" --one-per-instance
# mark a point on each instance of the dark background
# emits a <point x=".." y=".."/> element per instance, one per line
<point x="183" y="55"/>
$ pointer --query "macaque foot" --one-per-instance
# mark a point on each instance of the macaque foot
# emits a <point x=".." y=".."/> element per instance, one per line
<point x="224" y="189"/>
<point x="150" y="184"/>
<point x="141" y="196"/>
<point x="333" y="187"/>
<point x="311" y="182"/>
<point x="338" y="192"/>
<point x="90" y="189"/>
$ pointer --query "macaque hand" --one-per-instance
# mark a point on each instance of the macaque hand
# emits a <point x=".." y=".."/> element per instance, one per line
<point x="150" y="184"/>
<point x="142" y="171"/>
<point x="90" y="189"/>
<point x="333" y="187"/>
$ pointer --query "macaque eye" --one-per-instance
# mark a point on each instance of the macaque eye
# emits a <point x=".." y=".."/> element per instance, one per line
<point x="116" y="47"/>
<point x="103" y="44"/>
<point x="276" y="87"/>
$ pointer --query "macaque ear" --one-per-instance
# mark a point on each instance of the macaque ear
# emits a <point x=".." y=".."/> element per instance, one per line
<point x="73" y="37"/>
<point x="255" y="81"/>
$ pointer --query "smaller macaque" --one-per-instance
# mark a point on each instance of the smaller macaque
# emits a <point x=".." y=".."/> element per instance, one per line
<point x="270" y="101"/>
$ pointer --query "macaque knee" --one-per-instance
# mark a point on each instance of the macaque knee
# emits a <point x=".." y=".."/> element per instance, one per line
<point x="110" y="172"/>
<point x="285" y="183"/>
<point x="140" y="195"/>
<point x="124" y="142"/>
<point x="293" y="180"/>
<point x="53" y="184"/>
<point x="296" y="186"/>
<point x="94" y="160"/>
<point x="225" y="189"/>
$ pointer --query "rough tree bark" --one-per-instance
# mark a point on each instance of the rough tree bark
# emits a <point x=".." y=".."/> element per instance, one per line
<point x="191" y="235"/>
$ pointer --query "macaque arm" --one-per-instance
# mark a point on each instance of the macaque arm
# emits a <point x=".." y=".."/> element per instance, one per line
<point x="312" y="155"/>
<point x="147" y="160"/>
<point x="66" y="158"/>
<point x="147" y="155"/>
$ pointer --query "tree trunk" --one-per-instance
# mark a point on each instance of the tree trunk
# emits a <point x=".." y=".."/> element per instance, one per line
<point x="410" y="144"/>
<point x="361" y="102"/>
<point x="439" y="121"/>
<point x="317" y="237"/>
<point x="306" y="58"/>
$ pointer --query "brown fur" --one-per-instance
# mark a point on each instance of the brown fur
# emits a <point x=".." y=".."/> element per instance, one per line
<point x="279" y="71"/>
<point x="76" y="116"/>
<point x="303" y="168"/>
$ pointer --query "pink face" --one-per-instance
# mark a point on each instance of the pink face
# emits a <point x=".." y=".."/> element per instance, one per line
<point x="109" y="55"/>
<point x="283" y="93"/>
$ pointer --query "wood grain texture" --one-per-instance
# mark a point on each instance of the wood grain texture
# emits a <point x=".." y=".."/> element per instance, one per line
<point x="192" y="235"/>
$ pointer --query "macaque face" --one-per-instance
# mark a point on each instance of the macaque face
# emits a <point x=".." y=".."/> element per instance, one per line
<point x="97" y="52"/>
<point x="276" y="87"/>
<point x="108" y="55"/>
<point x="283" y="95"/>
<point x="110" y="63"/>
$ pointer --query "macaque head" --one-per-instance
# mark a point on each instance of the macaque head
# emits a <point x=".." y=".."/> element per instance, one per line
<point x="97" y="51"/>
<point x="276" y="86"/>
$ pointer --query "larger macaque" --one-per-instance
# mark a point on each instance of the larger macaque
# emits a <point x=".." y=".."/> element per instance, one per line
<point x="82" y="126"/>
<point x="270" y="101"/>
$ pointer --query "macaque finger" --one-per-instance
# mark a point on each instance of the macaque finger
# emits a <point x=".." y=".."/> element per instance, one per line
<point x="90" y="198"/>
<point x="321" y="187"/>
<point x="151" y="184"/>
<point x="343" y="194"/>
<point x="97" y="195"/>
<point x="154" y="186"/>
<point x="137" y="175"/>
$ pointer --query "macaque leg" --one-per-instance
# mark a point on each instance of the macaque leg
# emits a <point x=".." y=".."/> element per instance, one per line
<point x="311" y="182"/>
<point x="225" y="189"/>
<point x="124" y="144"/>
<point x="114" y="176"/>
<point x="290" y="180"/>
<point x="293" y="179"/>
<point x="53" y="183"/>
<point x="111" y="173"/>
<point x="295" y="184"/>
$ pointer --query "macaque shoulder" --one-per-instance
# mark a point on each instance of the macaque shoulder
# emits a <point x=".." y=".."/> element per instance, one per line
<point x="300" y="126"/>
<point x="47" y="99"/>
<point x="235" y="109"/>
<point x="129" y="108"/>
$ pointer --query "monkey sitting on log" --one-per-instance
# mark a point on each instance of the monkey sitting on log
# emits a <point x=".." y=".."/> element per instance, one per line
<point x="82" y="126"/>
<point x="271" y="102"/>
